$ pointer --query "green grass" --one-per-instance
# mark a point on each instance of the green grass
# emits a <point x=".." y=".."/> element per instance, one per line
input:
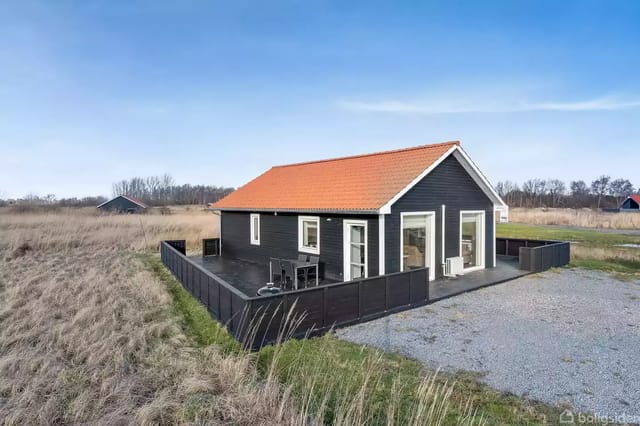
<point x="338" y="368"/>
<point x="620" y="266"/>
<point x="601" y="239"/>
<point x="590" y="249"/>
<point x="194" y="317"/>
<point x="342" y="365"/>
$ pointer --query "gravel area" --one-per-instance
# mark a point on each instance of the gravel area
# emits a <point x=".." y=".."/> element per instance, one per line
<point x="571" y="336"/>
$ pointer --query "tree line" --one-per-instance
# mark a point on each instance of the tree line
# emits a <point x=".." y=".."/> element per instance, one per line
<point x="162" y="190"/>
<point x="603" y="192"/>
<point x="153" y="190"/>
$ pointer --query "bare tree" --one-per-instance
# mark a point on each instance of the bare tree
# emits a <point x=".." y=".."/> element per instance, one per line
<point x="162" y="190"/>
<point x="557" y="189"/>
<point x="621" y="189"/>
<point x="600" y="187"/>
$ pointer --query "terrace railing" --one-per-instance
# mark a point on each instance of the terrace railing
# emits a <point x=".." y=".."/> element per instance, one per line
<point x="535" y="255"/>
<point x="211" y="247"/>
<point x="259" y="320"/>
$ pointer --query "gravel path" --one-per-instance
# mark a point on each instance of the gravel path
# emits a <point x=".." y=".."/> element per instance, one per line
<point x="571" y="336"/>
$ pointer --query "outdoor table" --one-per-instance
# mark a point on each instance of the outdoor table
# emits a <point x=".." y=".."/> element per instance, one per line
<point x="304" y="266"/>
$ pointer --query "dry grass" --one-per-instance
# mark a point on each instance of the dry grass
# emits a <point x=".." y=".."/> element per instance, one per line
<point x="585" y="218"/>
<point x="89" y="335"/>
<point x="64" y="229"/>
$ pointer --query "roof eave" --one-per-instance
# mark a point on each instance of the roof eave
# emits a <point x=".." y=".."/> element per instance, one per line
<point x="285" y="210"/>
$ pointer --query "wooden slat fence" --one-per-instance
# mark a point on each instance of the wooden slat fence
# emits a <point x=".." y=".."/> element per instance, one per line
<point x="257" y="321"/>
<point x="535" y="255"/>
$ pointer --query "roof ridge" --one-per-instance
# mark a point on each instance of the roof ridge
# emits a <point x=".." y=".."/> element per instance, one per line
<point x="392" y="151"/>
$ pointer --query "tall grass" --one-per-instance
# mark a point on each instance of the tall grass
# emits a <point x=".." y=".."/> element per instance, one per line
<point x="585" y="218"/>
<point x="91" y="334"/>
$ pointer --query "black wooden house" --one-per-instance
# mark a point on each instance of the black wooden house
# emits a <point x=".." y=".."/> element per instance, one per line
<point x="123" y="204"/>
<point x="368" y="215"/>
<point x="631" y="203"/>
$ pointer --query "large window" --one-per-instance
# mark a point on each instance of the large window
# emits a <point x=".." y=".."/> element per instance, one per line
<point x="255" y="229"/>
<point x="309" y="234"/>
<point x="417" y="241"/>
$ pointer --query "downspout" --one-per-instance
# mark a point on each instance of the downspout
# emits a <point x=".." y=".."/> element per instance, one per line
<point x="442" y="233"/>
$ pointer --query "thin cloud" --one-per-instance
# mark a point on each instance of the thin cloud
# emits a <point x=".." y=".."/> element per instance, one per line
<point x="415" y="107"/>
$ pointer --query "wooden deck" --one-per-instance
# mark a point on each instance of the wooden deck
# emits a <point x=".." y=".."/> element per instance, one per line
<point x="248" y="277"/>
<point x="507" y="268"/>
<point x="244" y="275"/>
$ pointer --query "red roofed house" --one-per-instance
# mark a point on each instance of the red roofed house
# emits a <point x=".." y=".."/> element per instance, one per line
<point x="368" y="215"/>
<point x="631" y="203"/>
<point x="123" y="204"/>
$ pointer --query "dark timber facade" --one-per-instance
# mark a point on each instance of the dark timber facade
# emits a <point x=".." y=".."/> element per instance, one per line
<point x="123" y="204"/>
<point x="448" y="188"/>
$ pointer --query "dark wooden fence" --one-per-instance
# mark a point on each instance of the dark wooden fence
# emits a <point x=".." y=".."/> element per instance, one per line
<point x="260" y="320"/>
<point x="337" y="305"/>
<point x="223" y="301"/>
<point x="180" y="245"/>
<point x="211" y="247"/>
<point x="535" y="255"/>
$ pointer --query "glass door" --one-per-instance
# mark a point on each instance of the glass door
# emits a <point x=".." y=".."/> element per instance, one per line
<point x="472" y="239"/>
<point x="418" y="242"/>
<point x="355" y="249"/>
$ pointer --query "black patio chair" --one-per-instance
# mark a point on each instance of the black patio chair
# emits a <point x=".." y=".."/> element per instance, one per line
<point x="289" y="274"/>
<point x="311" y="273"/>
<point x="276" y="269"/>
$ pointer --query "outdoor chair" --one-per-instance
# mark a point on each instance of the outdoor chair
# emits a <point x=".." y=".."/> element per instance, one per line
<point x="276" y="269"/>
<point x="311" y="275"/>
<point x="289" y="274"/>
<point x="303" y="257"/>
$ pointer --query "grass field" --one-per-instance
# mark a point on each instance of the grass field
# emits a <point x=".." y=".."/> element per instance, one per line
<point x="584" y="218"/>
<point x="94" y="330"/>
<point x="591" y="249"/>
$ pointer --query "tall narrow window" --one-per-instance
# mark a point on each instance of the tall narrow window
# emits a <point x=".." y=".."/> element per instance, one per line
<point x="309" y="234"/>
<point x="255" y="229"/>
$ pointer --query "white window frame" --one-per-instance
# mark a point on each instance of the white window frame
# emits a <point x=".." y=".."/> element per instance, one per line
<point x="431" y="217"/>
<point x="301" y="246"/>
<point x="483" y="235"/>
<point x="253" y="216"/>
<point x="346" y="245"/>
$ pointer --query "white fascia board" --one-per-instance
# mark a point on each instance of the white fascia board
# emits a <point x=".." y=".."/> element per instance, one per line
<point x="468" y="165"/>
<point x="386" y="209"/>
<point x="478" y="177"/>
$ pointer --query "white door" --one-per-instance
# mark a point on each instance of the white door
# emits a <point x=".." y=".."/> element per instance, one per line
<point x="355" y="249"/>
<point x="472" y="239"/>
<point x="418" y="242"/>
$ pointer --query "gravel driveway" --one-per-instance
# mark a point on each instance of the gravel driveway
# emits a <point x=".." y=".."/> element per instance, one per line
<point x="570" y="336"/>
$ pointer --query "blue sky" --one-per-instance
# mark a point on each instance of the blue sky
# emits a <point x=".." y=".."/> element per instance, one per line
<point x="92" y="92"/>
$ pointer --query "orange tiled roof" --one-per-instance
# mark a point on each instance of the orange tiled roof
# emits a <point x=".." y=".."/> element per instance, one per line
<point x="359" y="183"/>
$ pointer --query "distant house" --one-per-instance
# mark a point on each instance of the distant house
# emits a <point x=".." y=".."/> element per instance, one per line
<point x="631" y="203"/>
<point x="368" y="215"/>
<point x="123" y="204"/>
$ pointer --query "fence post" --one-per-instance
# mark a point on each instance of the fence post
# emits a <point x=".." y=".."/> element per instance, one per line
<point x="427" y="280"/>
<point x="324" y="307"/>
<point x="359" y="300"/>
<point x="386" y="293"/>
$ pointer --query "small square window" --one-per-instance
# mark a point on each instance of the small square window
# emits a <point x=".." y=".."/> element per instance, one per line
<point x="309" y="234"/>
<point x="255" y="229"/>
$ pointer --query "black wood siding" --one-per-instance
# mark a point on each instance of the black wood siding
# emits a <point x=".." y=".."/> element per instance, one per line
<point x="120" y="204"/>
<point x="447" y="184"/>
<point x="279" y="238"/>
<point x="630" y="204"/>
